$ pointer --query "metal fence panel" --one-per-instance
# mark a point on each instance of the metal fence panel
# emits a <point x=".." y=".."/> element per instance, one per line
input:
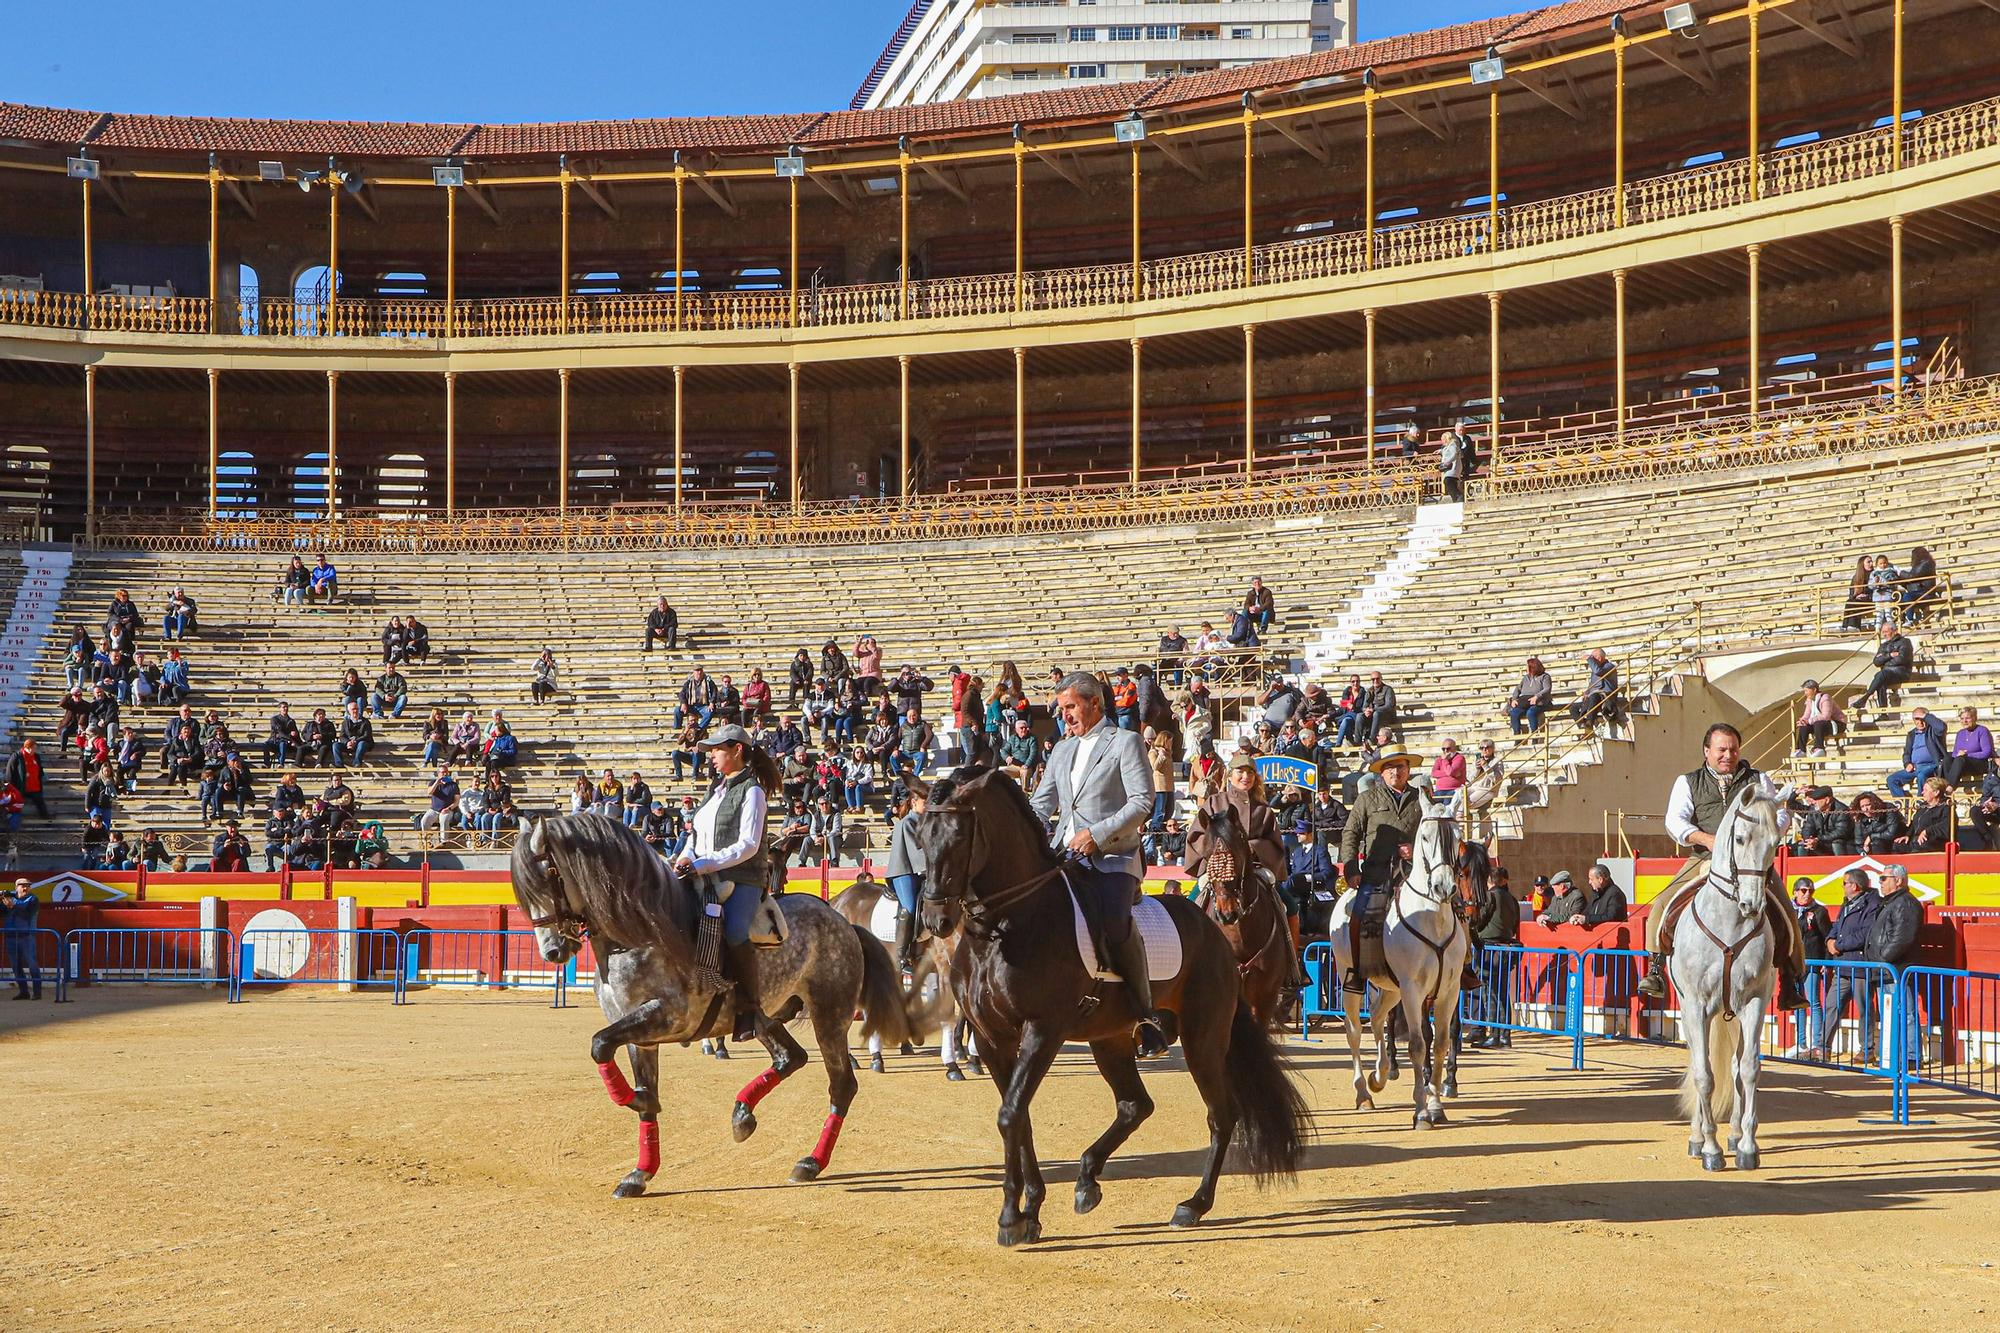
<point x="1948" y="1035"/>
<point x="151" y="955"/>
<point x="1521" y="988"/>
<point x="318" y="957"/>
<point x="480" y="959"/>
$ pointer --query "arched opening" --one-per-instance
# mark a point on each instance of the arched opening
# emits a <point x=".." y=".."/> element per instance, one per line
<point x="309" y="486"/>
<point x="402" y="484"/>
<point x="309" y="295"/>
<point x="236" y="484"/>
<point x="248" y="292"/>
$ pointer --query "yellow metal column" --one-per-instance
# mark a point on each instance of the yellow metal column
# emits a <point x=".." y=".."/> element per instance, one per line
<point x="1752" y="9"/>
<point x="1249" y="171"/>
<point x="1896" y="303"/>
<point x="903" y="262"/>
<point x="1493" y="383"/>
<point x="1020" y="233"/>
<point x="1137" y="345"/>
<point x="1896" y="92"/>
<point x="562" y="288"/>
<point x="1249" y="400"/>
<point x="1618" y="40"/>
<point x="680" y="237"/>
<point x="1493" y="169"/>
<point x="1756" y="253"/>
<point x="1020" y="419"/>
<point x="1618" y="289"/>
<point x="332" y="256"/>
<point x="332" y="444"/>
<point x="1368" y="176"/>
<point x="450" y="261"/>
<point x="792" y="375"/>
<point x="903" y="433"/>
<point x="214" y="444"/>
<point x="562" y="443"/>
<point x="792" y="266"/>
<point x="680" y="392"/>
<point x="1138" y="276"/>
<point x="89" y="448"/>
<point x="214" y="251"/>
<point x="1368" y="389"/>
<point x="451" y="444"/>
<point x="89" y="262"/>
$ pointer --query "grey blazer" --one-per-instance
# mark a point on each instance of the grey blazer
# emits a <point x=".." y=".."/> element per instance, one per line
<point x="1112" y="800"/>
<point x="905" y="856"/>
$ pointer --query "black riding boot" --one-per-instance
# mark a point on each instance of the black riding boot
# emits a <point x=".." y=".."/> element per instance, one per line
<point x="906" y="941"/>
<point x="1791" y="992"/>
<point x="1654" y="984"/>
<point x="743" y="972"/>
<point x="1129" y="958"/>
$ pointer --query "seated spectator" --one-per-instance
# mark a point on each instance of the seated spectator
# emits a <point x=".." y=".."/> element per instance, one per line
<point x="1259" y="605"/>
<point x="501" y="749"/>
<point x="1242" y="634"/>
<point x="823" y="830"/>
<point x="294" y="583"/>
<point x="684" y="829"/>
<point x="394" y="637"/>
<point x="1932" y="826"/>
<point x="175" y="686"/>
<point x="281" y="737"/>
<point x="182" y="756"/>
<point x="1280" y="700"/>
<point x="95" y="751"/>
<point x="1378" y="708"/>
<point x="1173" y="656"/>
<point x="800" y="678"/>
<point x="444" y="794"/>
<point x="75" y="718"/>
<point x="833" y="667"/>
<point x="101" y="796"/>
<point x="1448" y="769"/>
<point x="1021" y="755"/>
<point x="357" y="733"/>
<point x="1567" y="904"/>
<point x="416" y="640"/>
<point x="687" y="750"/>
<point x="1166" y="845"/>
<point x="288" y="795"/>
<point x="1820" y="720"/>
<point x="663" y="625"/>
<point x="1828" y="826"/>
<point x="77" y="659"/>
<point x="1920" y="585"/>
<point x="880" y="740"/>
<point x="696" y="700"/>
<point x="1971" y="751"/>
<point x="392" y="693"/>
<point x="609" y="798"/>
<point x="760" y="736"/>
<point x="131" y="754"/>
<point x="96" y="840"/>
<point x="913" y="742"/>
<point x="1530" y="699"/>
<point x="325" y="579"/>
<point x="466" y="740"/>
<point x="179" y="619"/>
<point x="542" y="687"/>
<point x="658" y="828"/>
<point x="339" y="795"/>
<point x="757" y="696"/>
<point x="1347" y="708"/>
<point x="637" y="800"/>
<point x="281" y="829"/>
<point x="317" y="739"/>
<point x="858" y="778"/>
<point x="123" y="614"/>
<point x="229" y="854"/>
<point x="786" y="737"/>
<point x="1923" y="753"/>
<point x="234" y="786"/>
<point x="795" y="775"/>
<point x="1984" y="811"/>
<point x="436" y="738"/>
<point x="1895" y="660"/>
<point x="1209" y="652"/>
<point x="152" y="850"/>
<point x="792" y="831"/>
<point x="351" y="691"/>
<point x="1599" y="699"/>
<point x="1885" y="591"/>
<point x="728" y="701"/>
<point x="1877" y="825"/>
<point x="583" y="795"/>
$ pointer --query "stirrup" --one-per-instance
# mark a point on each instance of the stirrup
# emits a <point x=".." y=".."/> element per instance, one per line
<point x="1354" y="983"/>
<point x="1151" y="1038"/>
<point x="1654" y="983"/>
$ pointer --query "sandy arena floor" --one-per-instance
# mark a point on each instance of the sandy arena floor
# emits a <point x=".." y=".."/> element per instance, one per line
<point x="170" y="1161"/>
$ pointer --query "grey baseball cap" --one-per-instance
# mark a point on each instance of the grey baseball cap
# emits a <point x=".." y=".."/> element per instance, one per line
<point x="726" y="735"/>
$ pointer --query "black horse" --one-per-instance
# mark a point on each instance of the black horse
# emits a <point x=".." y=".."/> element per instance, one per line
<point x="1017" y="977"/>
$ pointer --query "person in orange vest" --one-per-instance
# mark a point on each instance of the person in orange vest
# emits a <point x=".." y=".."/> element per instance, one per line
<point x="1125" y="699"/>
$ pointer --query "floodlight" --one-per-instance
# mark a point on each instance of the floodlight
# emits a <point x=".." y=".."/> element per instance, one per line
<point x="879" y="184"/>
<point x="1490" y="70"/>
<point x="789" y="167"/>
<point x="1132" y="129"/>
<point x="270" y="171"/>
<point x="448" y="177"/>
<point x="83" y="168"/>
<point x="1680" y="19"/>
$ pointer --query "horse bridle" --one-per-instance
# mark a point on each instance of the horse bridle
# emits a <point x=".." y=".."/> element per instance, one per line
<point x="982" y="913"/>
<point x="565" y="921"/>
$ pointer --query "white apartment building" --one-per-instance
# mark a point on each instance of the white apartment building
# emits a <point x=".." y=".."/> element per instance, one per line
<point x="945" y="50"/>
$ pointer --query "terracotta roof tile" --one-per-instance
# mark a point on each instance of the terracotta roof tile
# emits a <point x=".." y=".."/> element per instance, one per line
<point x="1095" y="101"/>
<point x="726" y="133"/>
<point x="205" y="134"/>
<point x="44" y="124"/>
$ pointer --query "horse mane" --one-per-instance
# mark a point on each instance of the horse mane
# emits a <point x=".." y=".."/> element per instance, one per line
<point x="963" y="793"/>
<point x="611" y="878"/>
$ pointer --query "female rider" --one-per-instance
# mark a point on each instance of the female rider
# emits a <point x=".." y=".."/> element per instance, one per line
<point x="729" y="844"/>
<point x="1243" y="792"/>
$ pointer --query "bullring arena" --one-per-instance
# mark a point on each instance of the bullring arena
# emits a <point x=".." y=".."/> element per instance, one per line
<point x="1700" y="298"/>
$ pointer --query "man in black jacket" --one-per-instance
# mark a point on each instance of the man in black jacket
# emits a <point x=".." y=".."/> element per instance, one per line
<point x="1894" y="661"/>
<point x="1847" y="944"/>
<point x="1827" y="829"/>
<point x="1173" y="656"/>
<point x="357" y="733"/>
<point x="281" y="741"/>
<point x="1984" y="811"/>
<point x="662" y="625"/>
<point x="1892" y="939"/>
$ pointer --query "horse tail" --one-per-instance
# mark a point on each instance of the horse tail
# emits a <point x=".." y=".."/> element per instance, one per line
<point x="882" y="1000"/>
<point x="1269" y="1108"/>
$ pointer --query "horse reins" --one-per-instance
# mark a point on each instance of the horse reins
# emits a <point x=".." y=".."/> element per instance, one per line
<point x="1730" y="952"/>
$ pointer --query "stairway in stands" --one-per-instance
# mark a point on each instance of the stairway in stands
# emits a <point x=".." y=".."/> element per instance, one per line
<point x="39" y="576"/>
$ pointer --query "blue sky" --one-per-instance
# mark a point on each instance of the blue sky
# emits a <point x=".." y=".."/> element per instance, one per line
<point x="502" y="60"/>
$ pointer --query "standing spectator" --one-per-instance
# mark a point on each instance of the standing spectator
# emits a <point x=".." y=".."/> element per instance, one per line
<point x="1530" y="699"/>
<point x="663" y="625"/>
<point x="1448" y="769"/>
<point x="325" y="579"/>
<point x="1892" y="940"/>
<point x="696" y="699"/>
<point x="868" y="666"/>
<point x="1884" y="590"/>
<point x="1259" y="605"/>
<point x="756" y="696"/>
<point x="357" y="733"/>
<point x="1280" y="701"/>
<point x="22" y="918"/>
<point x="800" y="677"/>
<point x="1604" y="901"/>
<point x="1923" y="752"/>
<point x="1971" y="750"/>
<point x="1453" y="464"/>
<point x="1931" y="827"/>
<point x="1877" y="825"/>
<point x="1160" y="758"/>
<point x="1820" y="720"/>
<point x="24" y="774"/>
<point x="909" y="688"/>
<point x="1566" y="902"/>
<point x="1498" y="922"/>
<point x="1815" y="928"/>
<point x="392" y="693"/>
<point x="1125" y="700"/>
<point x="294" y="582"/>
<point x="1894" y="660"/>
<point x="1828" y="827"/>
<point x="1848" y="943"/>
<point x="102" y="794"/>
<point x="658" y="828"/>
<point x="970" y="715"/>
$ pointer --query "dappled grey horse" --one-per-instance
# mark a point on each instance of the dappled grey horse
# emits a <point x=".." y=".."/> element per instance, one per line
<point x="584" y="873"/>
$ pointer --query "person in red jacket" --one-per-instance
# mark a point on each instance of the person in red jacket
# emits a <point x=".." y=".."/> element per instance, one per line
<point x="24" y="771"/>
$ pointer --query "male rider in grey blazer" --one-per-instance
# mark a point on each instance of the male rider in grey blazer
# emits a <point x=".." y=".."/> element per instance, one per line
<point x="1099" y="788"/>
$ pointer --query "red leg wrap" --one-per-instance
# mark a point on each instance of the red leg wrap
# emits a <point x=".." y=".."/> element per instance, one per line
<point x="649" y="1146"/>
<point x="759" y="1088"/>
<point x="615" y="1084"/>
<point x="828" y="1136"/>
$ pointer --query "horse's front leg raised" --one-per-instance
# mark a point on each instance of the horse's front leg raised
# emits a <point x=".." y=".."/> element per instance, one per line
<point x="1021" y="1213"/>
<point x="787" y="1057"/>
<point x="1117" y="1062"/>
<point x="639" y="1032"/>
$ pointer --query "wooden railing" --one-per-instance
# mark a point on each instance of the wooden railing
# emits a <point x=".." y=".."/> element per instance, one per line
<point x="1827" y="163"/>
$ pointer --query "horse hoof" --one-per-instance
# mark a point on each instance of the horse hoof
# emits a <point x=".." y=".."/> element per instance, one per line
<point x="852" y="1064"/>
<point x="1694" y="1150"/>
<point x="1420" y="1121"/>
<point x="743" y="1123"/>
<point x="976" y="1067"/>
<point x="1183" y="1218"/>
<point x="1364" y="1103"/>
<point x="1450" y="1087"/>
<point x="906" y="1049"/>
<point x="953" y="1074"/>
<point x="1088" y="1195"/>
<point x="631" y="1187"/>
<point x="806" y="1170"/>
<point x="721" y="1052"/>
<point x="1746" y="1161"/>
<point x="1024" y="1232"/>
<point x="875" y="1065"/>
<point x="1711" y="1161"/>
<point x="1436" y="1118"/>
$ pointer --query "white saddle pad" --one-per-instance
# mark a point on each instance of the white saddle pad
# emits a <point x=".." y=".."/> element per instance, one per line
<point x="882" y="924"/>
<point x="1163" y="942"/>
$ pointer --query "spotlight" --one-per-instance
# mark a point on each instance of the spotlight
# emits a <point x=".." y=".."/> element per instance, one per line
<point x="1490" y="70"/>
<point x="270" y="171"/>
<point x="448" y="177"/>
<point x="1680" y="20"/>
<point x="83" y="168"/>
<point x="789" y="167"/>
<point x="1132" y="129"/>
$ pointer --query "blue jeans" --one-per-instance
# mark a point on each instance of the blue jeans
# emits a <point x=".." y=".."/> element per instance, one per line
<point x="1900" y="781"/>
<point x="737" y="910"/>
<point x="1163" y="805"/>
<point x="857" y="792"/>
<point x="703" y="714"/>
<point x="918" y="759"/>
<point x="21" y="957"/>
<point x="635" y="815"/>
<point x="1496" y="970"/>
<point x="1348" y="731"/>
<point x="1128" y="719"/>
<point x="73" y="676"/>
<point x="348" y="752"/>
<point x="395" y="706"/>
<point x="1525" y="717"/>
<point x="294" y="596"/>
<point x="173" y="627"/>
<point x="906" y="888"/>
<point x="432" y="749"/>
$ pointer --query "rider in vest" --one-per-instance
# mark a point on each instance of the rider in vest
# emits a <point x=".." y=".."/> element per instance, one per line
<point x="728" y="843"/>
<point x="1380" y="833"/>
<point x="1099" y="787"/>
<point x="1694" y="813"/>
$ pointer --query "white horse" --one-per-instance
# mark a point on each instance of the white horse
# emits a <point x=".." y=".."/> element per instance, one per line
<point x="1723" y="967"/>
<point x="1425" y="945"/>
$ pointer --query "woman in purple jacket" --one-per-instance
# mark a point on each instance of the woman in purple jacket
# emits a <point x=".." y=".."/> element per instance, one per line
<point x="1971" y="750"/>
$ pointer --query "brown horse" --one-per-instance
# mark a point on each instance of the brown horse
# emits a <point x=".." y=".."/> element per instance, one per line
<point x="1020" y="981"/>
<point x="1250" y="916"/>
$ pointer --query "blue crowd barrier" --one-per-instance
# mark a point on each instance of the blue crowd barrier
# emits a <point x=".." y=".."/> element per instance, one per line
<point x="44" y="961"/>
<point x="1523" y="988"/>
<point x="1822" y="1034"/>
<point x="482" y="960"/>
<point x="149" y="955"/>
<point x="317" y="957"/>
<point x="1946" y="1033"/>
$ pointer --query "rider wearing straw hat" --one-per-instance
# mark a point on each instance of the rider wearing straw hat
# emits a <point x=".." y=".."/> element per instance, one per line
<point x="728" y="843"/>
<point x="1694" y="814"/>
<point x="1380" y="833"/>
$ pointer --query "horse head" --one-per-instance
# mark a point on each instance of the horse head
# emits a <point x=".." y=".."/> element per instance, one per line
<point x="1475" y="878"/>
<point x="1434" y="850"/>
<point x="1746" y="845"/>
<point x="969" y="825"/>
<point x="1226" y="869"/>
<point x="538" y="887"/>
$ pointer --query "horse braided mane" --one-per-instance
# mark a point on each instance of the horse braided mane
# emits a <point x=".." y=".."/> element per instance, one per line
<point x="617" y="883"/>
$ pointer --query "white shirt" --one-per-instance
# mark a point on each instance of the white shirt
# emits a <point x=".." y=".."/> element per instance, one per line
<point x="705" y="855"/>
<point x="1086" y="746"/>
<point x="1680" y="809"/>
